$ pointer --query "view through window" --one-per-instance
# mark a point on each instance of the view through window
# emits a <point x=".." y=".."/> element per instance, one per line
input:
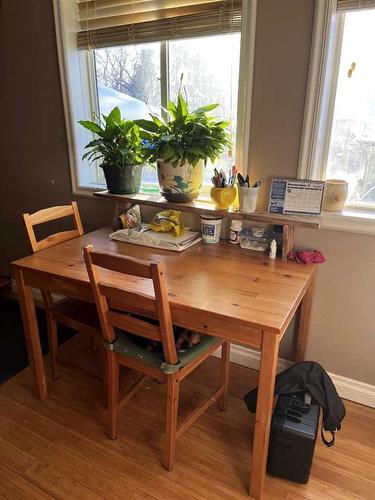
<point x="352" y="144"/>
<point x="130" y="77"/>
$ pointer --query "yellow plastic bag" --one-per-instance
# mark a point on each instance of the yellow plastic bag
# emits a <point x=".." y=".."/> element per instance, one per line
<point x="168" y="220"/>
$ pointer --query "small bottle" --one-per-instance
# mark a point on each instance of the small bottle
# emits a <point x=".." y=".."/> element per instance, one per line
<point x="235" y="229"/>
<point x="273" y="249"/>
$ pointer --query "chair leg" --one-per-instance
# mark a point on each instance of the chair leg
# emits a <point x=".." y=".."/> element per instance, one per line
<point x="224" y="375"/>
<point x="173" y="395"/>
<point x="103" y="369"/>
<point x="53" y="344"/>
<point x="112" y="382"/>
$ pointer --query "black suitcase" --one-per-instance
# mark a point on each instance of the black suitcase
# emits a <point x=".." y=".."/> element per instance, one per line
<point x="294" y="429"/>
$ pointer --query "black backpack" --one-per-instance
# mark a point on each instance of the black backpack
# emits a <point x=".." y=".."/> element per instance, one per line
<point x="311" y="377"/>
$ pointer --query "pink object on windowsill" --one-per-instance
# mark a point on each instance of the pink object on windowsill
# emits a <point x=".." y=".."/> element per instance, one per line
<point x="307" y="257"/>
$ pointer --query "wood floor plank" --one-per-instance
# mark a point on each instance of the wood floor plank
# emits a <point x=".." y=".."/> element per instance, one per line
<point x="16" y="487"/>
<point x="79" y="470"/>
<point x="58" y="448"/>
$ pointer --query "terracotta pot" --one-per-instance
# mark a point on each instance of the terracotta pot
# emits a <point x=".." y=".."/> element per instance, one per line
<point x="123" y="180"/>
<point x="335" y="194"/>
<point x="182" y="183"/>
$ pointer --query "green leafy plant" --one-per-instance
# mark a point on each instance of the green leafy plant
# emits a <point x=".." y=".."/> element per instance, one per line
<point x="119" y="141"/>
<point x="186" y="136"/>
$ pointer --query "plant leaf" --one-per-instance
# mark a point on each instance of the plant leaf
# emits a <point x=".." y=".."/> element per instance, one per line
<point x="148" y="125"/>
<point x="92" y="126"/>
<point x="205" y="109"/>
<point x="115" y="115"/>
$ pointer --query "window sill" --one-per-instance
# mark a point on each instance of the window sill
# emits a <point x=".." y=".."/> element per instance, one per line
<point x="88" y="191"/>
<point x="350" y="221"/>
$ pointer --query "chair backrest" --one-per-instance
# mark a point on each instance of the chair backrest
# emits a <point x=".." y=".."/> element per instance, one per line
<point x="110" y="318"/>
<point x="49" y="214"/>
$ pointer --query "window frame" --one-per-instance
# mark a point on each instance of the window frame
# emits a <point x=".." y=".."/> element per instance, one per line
<point x="80" y="98"/>
<point x="318" y="116"/>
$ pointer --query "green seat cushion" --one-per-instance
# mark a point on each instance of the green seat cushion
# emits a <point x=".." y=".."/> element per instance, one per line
<point x="124" y="344"/>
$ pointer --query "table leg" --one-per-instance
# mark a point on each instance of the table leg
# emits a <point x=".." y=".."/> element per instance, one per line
<point x="31" y="330"/>
<point x="304" y="321"/>
<point x="267" y="374"/>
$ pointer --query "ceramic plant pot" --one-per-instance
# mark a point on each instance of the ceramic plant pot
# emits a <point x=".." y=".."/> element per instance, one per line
<point x="182" y="183"/>
<point x="335" y="194"/>
<point x="123" y="180"/>
<point x="223" y="197"/>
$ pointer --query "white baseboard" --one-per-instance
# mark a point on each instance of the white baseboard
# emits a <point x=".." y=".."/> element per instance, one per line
<point x="348" y="388"/>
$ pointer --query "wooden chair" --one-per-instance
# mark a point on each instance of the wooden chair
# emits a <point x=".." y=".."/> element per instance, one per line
<point x="169" y="366"/>
<point x="74" y="313"/>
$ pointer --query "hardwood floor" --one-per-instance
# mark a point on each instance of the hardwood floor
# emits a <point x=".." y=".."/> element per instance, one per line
<point x="58" y="448"/>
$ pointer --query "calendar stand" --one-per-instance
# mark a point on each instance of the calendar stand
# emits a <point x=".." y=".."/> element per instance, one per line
<point x="288" y="222"/>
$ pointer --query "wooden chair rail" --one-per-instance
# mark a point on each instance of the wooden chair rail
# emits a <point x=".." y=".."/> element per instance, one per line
<point x="190" y="419"/>
<point x="132" y="390"/>
<point x="51" y="213"/>
<point x="121" y="264"/>
<point x="134" y="325"/>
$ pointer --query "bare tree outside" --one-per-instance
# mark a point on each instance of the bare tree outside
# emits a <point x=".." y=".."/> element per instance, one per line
<point x="132" y="70"/>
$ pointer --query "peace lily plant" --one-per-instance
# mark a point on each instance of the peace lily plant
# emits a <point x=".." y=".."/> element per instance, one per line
<point x="182" y="145"/>
<point x="119" y="147"/>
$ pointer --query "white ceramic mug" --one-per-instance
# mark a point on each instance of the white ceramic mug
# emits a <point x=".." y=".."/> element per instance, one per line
<point x="211" y="228"/>
<point x="248" y="197"/>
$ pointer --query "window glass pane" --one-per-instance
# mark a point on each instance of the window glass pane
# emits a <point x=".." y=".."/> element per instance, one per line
<point x="129" y="77"/>
<point x="210" y="66"/>
<point x="352" y="144"/>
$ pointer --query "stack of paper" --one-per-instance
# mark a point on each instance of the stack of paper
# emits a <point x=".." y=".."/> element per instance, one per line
<point x="157" y="240"/>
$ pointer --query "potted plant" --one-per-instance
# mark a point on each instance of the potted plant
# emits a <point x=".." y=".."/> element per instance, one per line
<point x="119" y="147"/>
<point x="181" y="147"/>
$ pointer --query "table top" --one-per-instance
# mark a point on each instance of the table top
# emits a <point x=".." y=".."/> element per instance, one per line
<point x="219" y="281"/>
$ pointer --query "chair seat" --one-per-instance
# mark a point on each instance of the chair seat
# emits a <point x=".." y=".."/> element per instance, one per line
<point x="77" y="314"/>
<point x="125" y="345"/>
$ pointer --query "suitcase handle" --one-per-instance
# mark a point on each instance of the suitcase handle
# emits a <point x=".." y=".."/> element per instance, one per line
<point x="293" y="415"/>
<point x="299" y="405"/>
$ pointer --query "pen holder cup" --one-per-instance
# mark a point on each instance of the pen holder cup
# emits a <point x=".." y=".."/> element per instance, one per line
<point x="211" y="229"/>
<point x="248" y="197"/>
<point x="223" y="197"/>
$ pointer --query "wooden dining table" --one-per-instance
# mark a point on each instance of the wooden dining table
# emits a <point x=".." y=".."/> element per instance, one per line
<point x="220" y="290"/>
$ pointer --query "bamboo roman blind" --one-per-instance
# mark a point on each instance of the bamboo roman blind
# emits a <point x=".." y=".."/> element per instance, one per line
<point x="350" y="5"/>
<point x="105" y="23"/>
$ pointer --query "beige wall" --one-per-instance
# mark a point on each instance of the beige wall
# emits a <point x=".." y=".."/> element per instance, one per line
<point x="35" y="169"/>
<point x="342" y="332"/>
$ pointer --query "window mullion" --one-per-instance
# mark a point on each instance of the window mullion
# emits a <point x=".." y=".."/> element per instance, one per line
<point x="330" y="109"/>
<point x="164" y="76"/>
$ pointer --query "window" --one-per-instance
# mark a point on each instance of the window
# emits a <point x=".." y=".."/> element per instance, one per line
<point x="130" y="77"/>
<point x="339" y="130"/>
<point x="116" y="55"/>
<point x="351" y="153"/>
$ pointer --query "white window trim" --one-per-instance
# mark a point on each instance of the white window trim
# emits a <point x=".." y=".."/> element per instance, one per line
<point x="76" y="103"/>
<point x="319" y="106"/>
